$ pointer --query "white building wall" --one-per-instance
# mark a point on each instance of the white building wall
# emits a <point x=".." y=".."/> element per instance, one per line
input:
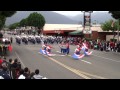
<point x="108" y="37"/>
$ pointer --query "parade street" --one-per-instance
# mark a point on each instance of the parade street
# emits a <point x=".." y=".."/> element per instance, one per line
<point x="100" y="65"/>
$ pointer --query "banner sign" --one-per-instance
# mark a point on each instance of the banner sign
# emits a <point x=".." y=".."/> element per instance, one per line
<point x="87" y="24"/>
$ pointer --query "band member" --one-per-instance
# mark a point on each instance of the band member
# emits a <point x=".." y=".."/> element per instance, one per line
<point x="85" y="49"/>
<point x="67" y="47"/>
<point x="48" y="50"/>
<point x="77" y="54"/>
<point x="43" y="50"/>
<point x="63" y="48"/>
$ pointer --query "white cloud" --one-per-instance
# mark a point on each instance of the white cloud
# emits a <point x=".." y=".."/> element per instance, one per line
<point x="68" y="13"/>
<point x="72" y="13"/>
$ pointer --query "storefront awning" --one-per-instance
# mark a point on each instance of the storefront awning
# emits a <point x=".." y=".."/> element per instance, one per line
<point x="76" y="33"/>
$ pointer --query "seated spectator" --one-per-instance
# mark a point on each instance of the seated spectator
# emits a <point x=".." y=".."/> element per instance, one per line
<point x="4" y="73"/>
<point x="26" y="73"/>
<point x="1" y="77"/>
<point x="37" y="75"/>
<point x="31" y="75"/>
<point x="21" y="74"/>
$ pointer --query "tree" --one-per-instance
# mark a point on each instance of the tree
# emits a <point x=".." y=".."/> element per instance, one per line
<point x="4" y="15"/>
<point x="14" y="26"/>
<point x="37" y="20"/>
<point x="2" y="21"/>
<point x="7" y="13"/>
<point x="23" y="22"/>
<point x="107" y="26"/>
<point x="116" y="15"/>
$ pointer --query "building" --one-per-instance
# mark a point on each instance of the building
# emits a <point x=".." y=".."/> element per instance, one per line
<point x="65" y="29"/>
<point x="60" y="29"/>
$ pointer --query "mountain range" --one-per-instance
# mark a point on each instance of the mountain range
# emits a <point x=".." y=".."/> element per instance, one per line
<point x="98" y="17"/>
<point x="55" y="18"/>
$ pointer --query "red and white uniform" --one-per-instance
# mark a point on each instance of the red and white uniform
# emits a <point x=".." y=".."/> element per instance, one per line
<point x="48" y="51"/>
<point x="85" y="49"/>
<point x="77" y="53"/>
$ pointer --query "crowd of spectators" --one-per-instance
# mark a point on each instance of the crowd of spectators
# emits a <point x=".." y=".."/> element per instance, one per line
<point x="12" y="69"/>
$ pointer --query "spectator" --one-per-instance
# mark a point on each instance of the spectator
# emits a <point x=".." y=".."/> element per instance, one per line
<point x="21" y="74"/>
<point x="37" y="75"/>
<point x="11" y="39"/>
<point x="31" y="75"/>
<point x="1" y="61"/>
<point x="15" y="64"/>
<point x="4" y="73"/>
<point x="1" y="77"/>
<point x="13" y="68"/>
<point x="9" y="66"/>
<point x="26" y="73"/>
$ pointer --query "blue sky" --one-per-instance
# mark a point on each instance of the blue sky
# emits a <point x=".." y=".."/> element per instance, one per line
<point x="72" y="13"/>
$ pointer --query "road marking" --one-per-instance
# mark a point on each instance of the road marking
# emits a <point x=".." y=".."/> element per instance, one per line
<point x="81" y="60"/>
<point x="58" y="51"/>
<point x="54" y="55"/>
<point x="20" y="59"/>
<point x="78" y="72"/>
<point x="86" y="61"/>
<point x="96" y="76"/>
<point x="69" y="68"/>
<point x="106" y="58"/>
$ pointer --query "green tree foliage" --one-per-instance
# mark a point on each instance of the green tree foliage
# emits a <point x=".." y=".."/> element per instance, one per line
<point x="107" y="26"/>
<point x="7" y="13"/>
<point x="115" y="14"/>
<point x="4" y="15"/>
<point x="14" y="26"/>
<point x="37" y="20"/>
<point x="23" y="22"/>
<point x="2" y="21"/>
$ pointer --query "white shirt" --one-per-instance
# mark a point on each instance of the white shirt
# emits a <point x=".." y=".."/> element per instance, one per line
<point x="21" y="77"/>
<point x="1" y="77"/>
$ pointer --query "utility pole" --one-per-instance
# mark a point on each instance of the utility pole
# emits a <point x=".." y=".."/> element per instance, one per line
<point x="118" y="28"/>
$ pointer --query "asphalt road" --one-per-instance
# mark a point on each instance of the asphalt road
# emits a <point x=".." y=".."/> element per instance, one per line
<point x="100" y="65"/>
